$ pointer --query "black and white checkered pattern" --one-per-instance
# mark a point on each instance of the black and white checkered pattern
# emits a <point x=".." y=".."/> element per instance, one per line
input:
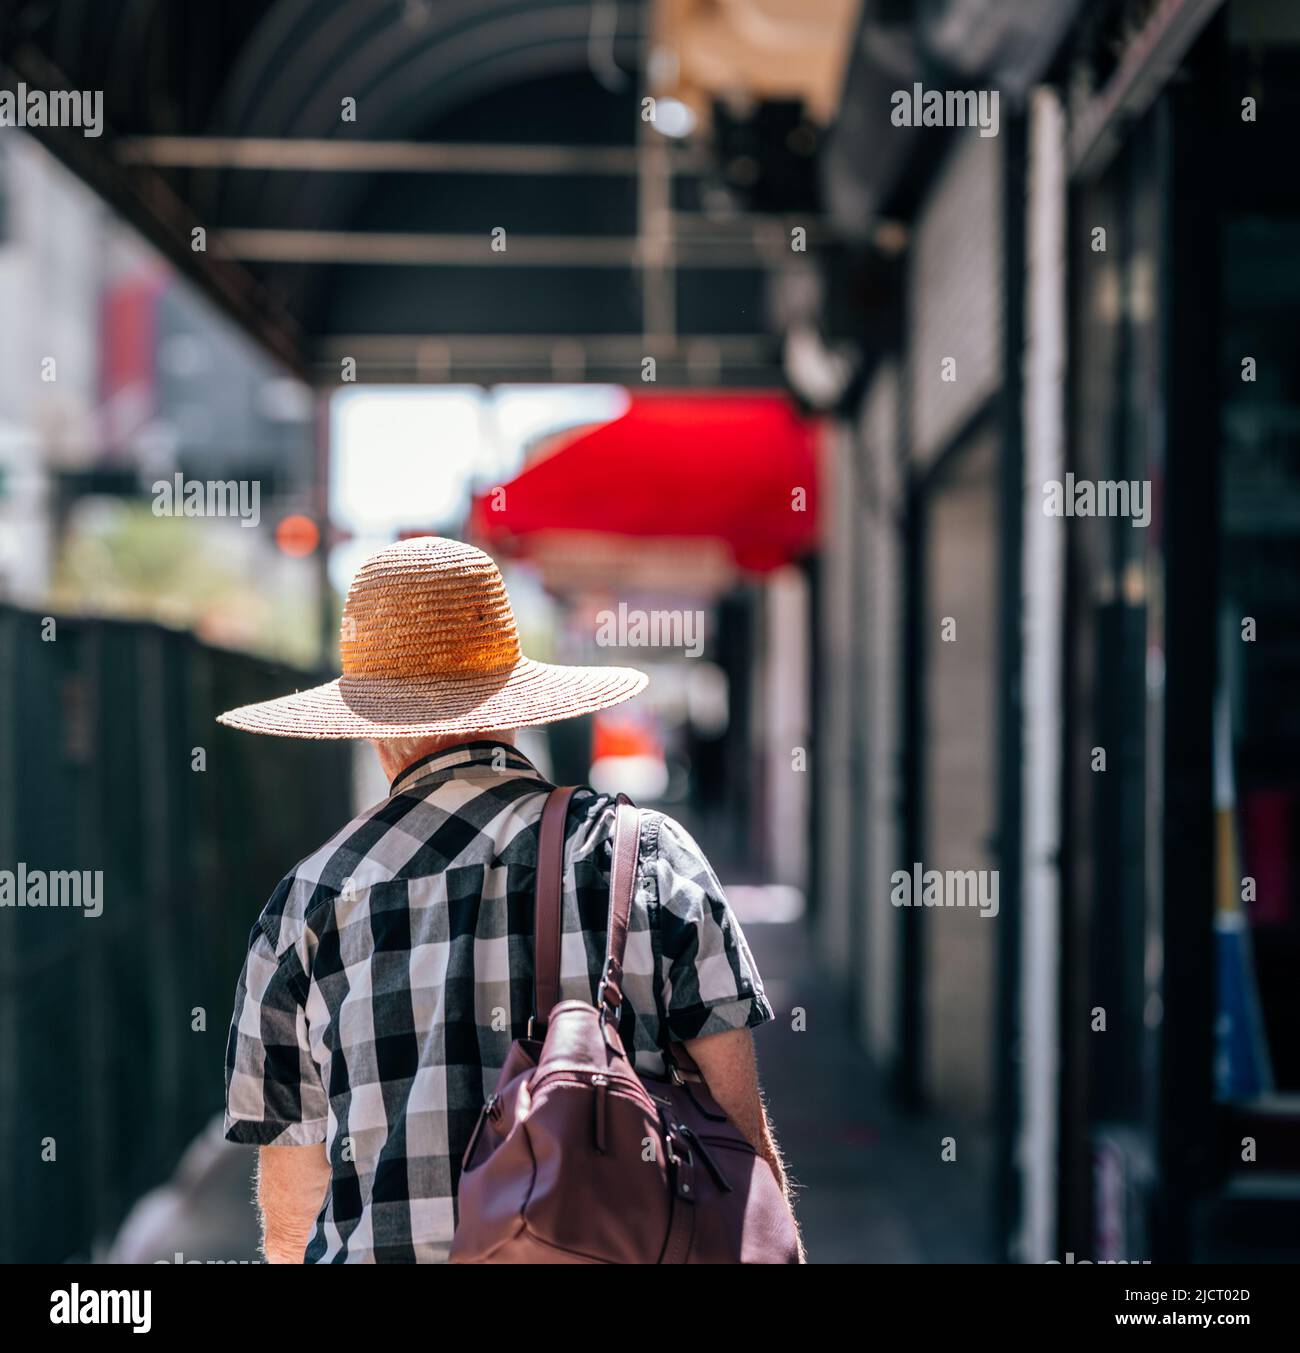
<point x="390" y="971"/>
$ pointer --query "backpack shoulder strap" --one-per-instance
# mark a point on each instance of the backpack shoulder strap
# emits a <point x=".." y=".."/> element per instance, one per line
<point x="622" y="887"/>
<point x="547" y="904"/>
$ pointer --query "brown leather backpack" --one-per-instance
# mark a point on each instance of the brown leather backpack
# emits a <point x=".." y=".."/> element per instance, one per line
<point x="578" y="1159"/>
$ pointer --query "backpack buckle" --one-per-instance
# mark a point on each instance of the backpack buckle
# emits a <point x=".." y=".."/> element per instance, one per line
<point x="610" y="1013"/>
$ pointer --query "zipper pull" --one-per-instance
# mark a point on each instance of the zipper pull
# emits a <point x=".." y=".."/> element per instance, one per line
<point x="491" y="1109"/>
<point x="601" y="1085"/>
<point x="711" y="1165"/>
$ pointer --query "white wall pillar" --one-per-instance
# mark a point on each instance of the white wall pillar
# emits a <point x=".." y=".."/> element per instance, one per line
<point x="1043" y="617"/>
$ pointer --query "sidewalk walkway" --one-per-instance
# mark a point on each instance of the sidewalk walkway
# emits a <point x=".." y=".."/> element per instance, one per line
<point x="872" y="1185"/>
<point x="873" y="1188"/>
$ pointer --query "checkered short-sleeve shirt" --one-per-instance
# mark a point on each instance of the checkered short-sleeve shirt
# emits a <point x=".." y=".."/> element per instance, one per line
<point x="390" y="971"/>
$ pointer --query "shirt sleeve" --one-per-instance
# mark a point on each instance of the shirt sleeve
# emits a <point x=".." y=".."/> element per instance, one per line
<point x="711" y="983"/>
<point x="274" y="1095"/>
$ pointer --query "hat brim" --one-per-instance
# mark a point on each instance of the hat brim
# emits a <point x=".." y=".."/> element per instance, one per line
<point x="528" y="694"/>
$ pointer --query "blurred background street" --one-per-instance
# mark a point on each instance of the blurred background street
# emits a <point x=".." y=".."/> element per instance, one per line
<point x="910" y="388"/>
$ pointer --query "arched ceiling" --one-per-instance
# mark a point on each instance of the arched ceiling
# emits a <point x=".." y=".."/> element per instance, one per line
<point x="372" y="238"/>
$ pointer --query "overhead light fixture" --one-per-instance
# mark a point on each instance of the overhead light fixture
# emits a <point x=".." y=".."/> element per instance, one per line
<point x="817" y="373"/>
<point x="673" y="118"/>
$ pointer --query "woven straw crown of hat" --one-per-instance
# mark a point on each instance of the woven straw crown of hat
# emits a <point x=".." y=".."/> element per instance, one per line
<point x="429" y="646"/>
<point x="428" y="607"/>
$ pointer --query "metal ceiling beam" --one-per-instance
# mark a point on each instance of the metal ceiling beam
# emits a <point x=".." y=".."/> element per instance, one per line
<point x="313" y="155"/>
<point x="698" y="360"/>
<point x="521" y="347"/>
<point x="403" y="248"/>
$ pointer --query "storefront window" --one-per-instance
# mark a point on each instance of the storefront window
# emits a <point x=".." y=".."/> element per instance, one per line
<point x="1258" y="735"/>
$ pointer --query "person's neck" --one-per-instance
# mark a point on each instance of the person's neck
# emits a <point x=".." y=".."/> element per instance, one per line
<point x="395" y="760"/>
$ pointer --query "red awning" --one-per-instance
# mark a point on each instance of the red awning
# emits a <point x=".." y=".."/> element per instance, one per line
<point x="736" y="468"/>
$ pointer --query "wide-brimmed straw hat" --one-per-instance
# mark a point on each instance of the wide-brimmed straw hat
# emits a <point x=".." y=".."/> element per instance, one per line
<point x="429" y="646"/>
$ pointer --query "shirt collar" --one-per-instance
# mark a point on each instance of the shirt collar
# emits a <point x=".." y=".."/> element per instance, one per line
<point x="471" y="758"/>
